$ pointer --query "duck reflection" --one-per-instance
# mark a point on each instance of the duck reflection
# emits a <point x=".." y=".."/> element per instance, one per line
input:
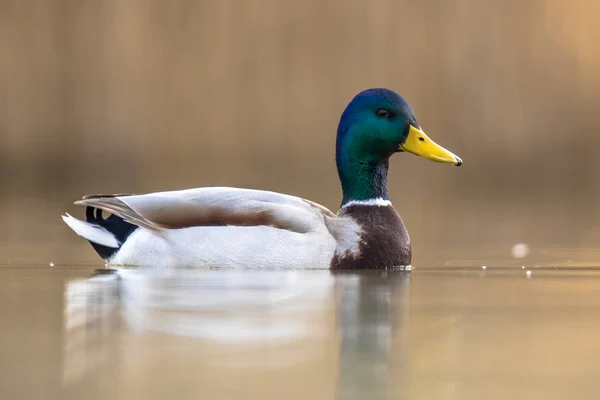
<point x="315" y="333"/>
<point x="371" y="314"/>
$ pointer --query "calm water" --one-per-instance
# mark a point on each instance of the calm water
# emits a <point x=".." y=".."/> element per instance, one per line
<point x="428" y="334"/>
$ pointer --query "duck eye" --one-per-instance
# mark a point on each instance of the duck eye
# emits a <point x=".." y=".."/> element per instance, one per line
<point x="383" y="113"/>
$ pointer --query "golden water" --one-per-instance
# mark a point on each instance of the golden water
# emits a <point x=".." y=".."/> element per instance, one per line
<point x="429" y="334"/>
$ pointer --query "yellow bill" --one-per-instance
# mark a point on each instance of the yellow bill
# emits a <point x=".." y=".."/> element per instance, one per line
<point x="417" y="142"/>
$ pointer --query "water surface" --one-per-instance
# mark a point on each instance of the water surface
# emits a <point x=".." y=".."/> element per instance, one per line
<point x="430" y="334"/>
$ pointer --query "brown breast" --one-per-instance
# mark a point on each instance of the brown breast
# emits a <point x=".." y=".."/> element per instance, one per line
<point x="384" y="239"/>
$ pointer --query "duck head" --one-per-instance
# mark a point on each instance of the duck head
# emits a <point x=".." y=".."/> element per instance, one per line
<point x="376" y="124"/>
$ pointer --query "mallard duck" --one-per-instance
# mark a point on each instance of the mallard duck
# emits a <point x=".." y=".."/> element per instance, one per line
<point x="244" y="228"/>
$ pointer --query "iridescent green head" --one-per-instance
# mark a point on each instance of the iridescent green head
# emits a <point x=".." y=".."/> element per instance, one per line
<point x="376" y="124"/>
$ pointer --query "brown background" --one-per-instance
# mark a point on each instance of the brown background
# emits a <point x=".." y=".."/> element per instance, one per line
<point x="136" y="96"/>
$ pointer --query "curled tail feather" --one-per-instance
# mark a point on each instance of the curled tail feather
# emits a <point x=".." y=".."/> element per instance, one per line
<point x="105" y="235"/>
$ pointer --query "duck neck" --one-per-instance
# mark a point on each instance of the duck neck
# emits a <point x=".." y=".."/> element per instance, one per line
<point x="363" y="179"/>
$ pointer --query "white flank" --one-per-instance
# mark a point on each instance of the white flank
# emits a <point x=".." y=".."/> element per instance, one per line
<point x="252" y="247"/>
<point x="378" y="202"/>
<point x="91" y="232"/>
<point x="347" y="234"/>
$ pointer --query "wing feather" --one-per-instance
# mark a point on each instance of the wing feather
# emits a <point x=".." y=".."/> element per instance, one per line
<point x="214" y="206"/>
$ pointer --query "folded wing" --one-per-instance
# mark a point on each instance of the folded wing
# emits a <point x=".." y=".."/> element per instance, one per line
<point x="213" y="206"/>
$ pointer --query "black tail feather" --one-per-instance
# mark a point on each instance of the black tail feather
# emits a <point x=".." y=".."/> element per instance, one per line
<point x="114" y="224"/>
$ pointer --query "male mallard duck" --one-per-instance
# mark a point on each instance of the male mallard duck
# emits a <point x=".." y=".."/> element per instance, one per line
<point x="231" y="227"/>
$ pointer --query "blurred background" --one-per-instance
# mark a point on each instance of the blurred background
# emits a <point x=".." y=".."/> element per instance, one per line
<point x="149" y="95"/>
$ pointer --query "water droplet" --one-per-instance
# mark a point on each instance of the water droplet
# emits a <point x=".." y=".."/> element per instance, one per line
<point x="522" y="267"/>
<point x="51" y="265"/>
<point x="520" y="250"/>
<point x="528" y="273"/>
<point x="483" y="267"/>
